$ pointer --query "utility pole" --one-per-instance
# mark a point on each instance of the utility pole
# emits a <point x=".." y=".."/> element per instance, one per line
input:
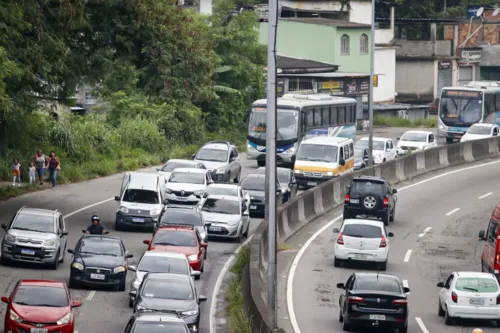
<point x="271" y="130"/>
<point x="370" y="97"/>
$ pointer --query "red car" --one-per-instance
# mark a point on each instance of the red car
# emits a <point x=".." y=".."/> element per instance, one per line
<point x="40" y="306"/>
<point x="181" y="239"/>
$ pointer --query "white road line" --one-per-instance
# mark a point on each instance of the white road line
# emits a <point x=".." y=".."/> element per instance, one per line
<point x="407" y="255"/>
<point x="91" y="295"/>
<point x="406" y="285"/>
<point x="87" y="207"/>
<point x="426" y="230"/>
<point x="452" y="211"/>
<point x="218" y="283"/>
<point x="486" y="195"/>
<point x="421" y="324"/>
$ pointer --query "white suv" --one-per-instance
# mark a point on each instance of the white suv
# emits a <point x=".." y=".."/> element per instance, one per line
<point x="383" y="149"/>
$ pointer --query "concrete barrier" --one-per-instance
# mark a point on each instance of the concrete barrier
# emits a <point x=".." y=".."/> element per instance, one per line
<point x="319" y="200"/>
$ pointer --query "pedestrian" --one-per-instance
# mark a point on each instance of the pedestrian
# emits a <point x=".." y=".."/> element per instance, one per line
<point x="41" y="163"/>
<point x="16" y="173"/>
<point x="54" y="167"/>
<point x="32" y="173"/>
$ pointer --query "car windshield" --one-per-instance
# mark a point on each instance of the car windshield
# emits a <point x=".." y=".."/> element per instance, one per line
<point x="168" y="289"/>
<point x="187" y="177"/>
<point x="156" y="264"/>
<point x="100" y="246"/>
<point x="287" y="124"/>
<point x="317" y="153"/>
<point x="362" y="231"/>
<point x="175" y="238"/>
<point x="359" y="153"/>
<point x="159" y="327"/>
<point x="141" y="196"/>
<point x="229" y="191"/>
<point x="477" y="285"/>
<point x="414" y="137"/>
<point x="484" y="130"/>
<point x="212" y="155"/>
<point x="44" y="296"/>
<point x="362" y="187"/>
<point x="181" y="217"/>
<point x="171" y="166"/>
<point x="378" y="283"/>
<point x="283" y="175"/>
<point x="377" y="144"/>
<point x="253" y="184"/>
<point x="221" y="206"/>
<point x="32" y="222"/>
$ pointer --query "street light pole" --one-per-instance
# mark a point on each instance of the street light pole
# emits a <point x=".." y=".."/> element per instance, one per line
<point x="370" y="97"/>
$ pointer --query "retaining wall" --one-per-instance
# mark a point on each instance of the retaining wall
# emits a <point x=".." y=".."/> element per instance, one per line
<point x="317" y="201"/>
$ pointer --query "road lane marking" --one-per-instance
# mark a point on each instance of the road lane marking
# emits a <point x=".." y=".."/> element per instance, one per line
<point x="426" y="230"/>
<point x="218" y="283"/>
<point x="406" y="285"/>
<point x="421" y="324"/>
<point x="91" y="295"/>
<point x="88" y="207"/>
<point x="407" y="256"/>
<point x="452" y="211"/>
<point x="486" y="195"/>
<point x="289" y="286"/>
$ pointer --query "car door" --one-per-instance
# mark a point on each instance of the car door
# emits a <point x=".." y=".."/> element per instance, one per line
<point x="64" y="238"/>
<point x="234" y="162"/>
<point x="125" y="181"/>
<point x="393" y="151"/>
<point x="293" y="184"/>
<point x="245" y="196"/>
<point x="245" y="215"/>
<point x="445" y="293"/>
<point x="343" y="297"/>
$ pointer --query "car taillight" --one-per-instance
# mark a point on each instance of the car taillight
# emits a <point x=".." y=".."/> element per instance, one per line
<point x="383" y="243"/>
<point x="386" y="202"/>
<point x="402" y="302"/>
<point x="454" y="297"/>
<point x="355" y="299"/>
<point x="498" y="299"/>
<point x="340" y="240"/>
<point x="347" y="198"/>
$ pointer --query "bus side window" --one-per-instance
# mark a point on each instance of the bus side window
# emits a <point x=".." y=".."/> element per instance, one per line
<point x="341" y="111"/>
<point x="489" y="105"/>
<point x="317" y="117"/>
<point x="303" y="125"/>
<point x="310" y="117"/>
<point x="349" y="114"/>
<point x="325" y="110"/>
<point x="334" y="115"/>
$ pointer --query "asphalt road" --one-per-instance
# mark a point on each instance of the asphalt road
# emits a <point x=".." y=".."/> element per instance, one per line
<point x="436" y="228"/>
<point x="107" y="311"/>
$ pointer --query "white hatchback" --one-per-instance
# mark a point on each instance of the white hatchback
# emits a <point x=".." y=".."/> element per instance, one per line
<point x="469" y="295"/>
<point x="363" y="241"/>
<point x="480" y="131"/>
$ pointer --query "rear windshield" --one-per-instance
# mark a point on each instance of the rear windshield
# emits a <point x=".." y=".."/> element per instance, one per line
<point x="173" y="238"/>
<point x="141" y="196"/>
<point x="171" y="166"/>
<point x="377" y="284"/>
<point x="221" y="206"/>
<point x="181" y="217"/>
<point x="159" y="327"/>
<point x="477" y="285"/>
<point x="253" y="184"/>
<point x="362" y="187"/>
<point x="362" y="231"/>
<point x="154" y="264"/>
<point x="214" y="190"/>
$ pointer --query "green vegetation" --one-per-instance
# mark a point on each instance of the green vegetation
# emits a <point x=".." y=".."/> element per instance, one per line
<point x="238" y="319"/>
<point x="169" y="78"/>
<point x="401" y="122"/>
<point x="284" y="247"/>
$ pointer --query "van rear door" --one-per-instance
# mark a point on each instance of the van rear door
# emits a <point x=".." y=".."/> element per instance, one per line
<point x="490" y="251"/>
<point x="125" y="181"/>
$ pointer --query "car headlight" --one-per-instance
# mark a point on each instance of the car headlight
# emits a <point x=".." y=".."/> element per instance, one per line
<point x="199" y="192"/>
<point x="49" y="242"/>
<point x="190" y="313"/>
<point x="153" y="212"/>
<point x="290" y="151"/>
<point x="15" y="317"/>
<point x="78" y="266"/>
<point x="220" y="170"/>
<point x="233" y="223"/>
<point x="10" y="238"/>
<point x="123" y="209"/>
<point x="298" y="172"/>
<point x="119" y="269"/>
<point x="169" y="191"/>
<point x="329" y="173"/>
<point x="443" y="127"/>
<point x="193" y="257"/>
<point x="66" y="319"/>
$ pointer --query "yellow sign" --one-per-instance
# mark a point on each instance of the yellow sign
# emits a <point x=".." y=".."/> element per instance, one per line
<point x="375" y="80"/>
<point x="331" y="85"/>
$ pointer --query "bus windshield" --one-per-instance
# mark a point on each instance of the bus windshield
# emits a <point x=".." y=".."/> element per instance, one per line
<point x="288" y="123"/>
<point x="460" y="108"/>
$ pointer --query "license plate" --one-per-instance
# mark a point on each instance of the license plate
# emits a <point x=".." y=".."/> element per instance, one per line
<point x="354" y="201"/>
<point x="253" y="207"/>
<point x="39" y="330"/>
<point x="377" y="317"/>
<point x="28" y="252"/>
<point x="215" y="228"/>
<point x="476" y="301"/>
<point x="312" y="183"/>
<point x="361" y="256"/>
<point x="97" y="276"/>
<point x="135" y="219"/>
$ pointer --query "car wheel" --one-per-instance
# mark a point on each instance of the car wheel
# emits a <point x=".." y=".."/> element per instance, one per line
<point x="55" y="264"/>
<point x="383" y="266"/>
<point x="341" y="318"/>
<point x="206" y="253"/>
<point x="370" y="202"/>
<point x="72" y="283"/>
<point x="197" y="277"/>
<point x="337" y="262"/>
<point x="448" y="320"/>
<point x="403" y="330"/>
<point x="237" y="179"/>
<point x="245" y="234"/>
<point x="440" y="309"/>
<point x="118" y="227"/>
<point x="63" y="255"/>
<point x="122" y="285"/>
<point x="393" y="215"/>
<point x="4" y="261"/>
<point x="346" y="327"/>
<point x="261" y="163"/>
<point x="347" y="215"/>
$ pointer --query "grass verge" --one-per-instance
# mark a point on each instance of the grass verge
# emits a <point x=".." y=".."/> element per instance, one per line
<point x="284" y="247"/>
<point x="401" y="122"/>
<point x="238" y="319"/>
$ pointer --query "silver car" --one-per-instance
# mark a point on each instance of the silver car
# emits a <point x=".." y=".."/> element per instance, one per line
<point x="35" y="236"/>
<point x="222" y="159"/>
<point x="233" y="190"/>
<point x="159" y="262"/>
<point x="226" y="216"/>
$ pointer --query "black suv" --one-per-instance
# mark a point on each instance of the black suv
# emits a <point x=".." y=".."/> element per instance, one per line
<point x="370" y="196"/>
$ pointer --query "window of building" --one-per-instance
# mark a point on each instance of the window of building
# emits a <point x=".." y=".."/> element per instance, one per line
<point x="344" y="45"/>
<point x="363" y="44"/>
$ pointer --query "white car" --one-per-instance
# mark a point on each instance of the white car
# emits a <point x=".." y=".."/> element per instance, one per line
<point x="416" y="140"/>
<point x="233" y="190"/>
<point x="187" y="184"/>
<point x="363" y="241"/>
<point x="171" y="165"/>
<point x="480" y="131"/>
<point x="469" y="295"/>
<point x="383" y="149"/>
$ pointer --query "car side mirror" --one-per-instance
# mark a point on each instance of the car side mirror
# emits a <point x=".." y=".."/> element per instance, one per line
<point x="5" y="299"/>
<point x="117" y="198"/>
<point x="4" y="226"/>
<point x="482" y="235"/>
<point x="440" y="285"/>
<point x="202" y="298"/>
<point x="71" y="251"/>
<point x="193" y="156"/>
<point x="205" y="195"/>
<point x="336" y="230"/>
<point x="76" y="304"/>
<point x="398" y="139"/>
<point x="132" y="293"/>
<point x="64" y="233"/>
<point x="203" y="244"/>
<point x="406" y="290"/>
<point x="340" y="286"/>
<point x="293" y="158"/>
<point x="390" y="234"/>
<point x="342" y="162"/>
<point x="394" y="191"/>
<point x="132" y="268"/>
<point x="246" y="212"/>
<point x="146" y="241"/>
<point x="129" y="255"/>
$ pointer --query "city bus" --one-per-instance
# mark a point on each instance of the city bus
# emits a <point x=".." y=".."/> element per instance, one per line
<point x="460" y="107"/>
<point x="299" y="117"/>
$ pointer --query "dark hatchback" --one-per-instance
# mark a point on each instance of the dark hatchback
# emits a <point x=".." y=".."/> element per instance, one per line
<point x="255" y="186"/>
<point x="99" y="261"/>
<point x="373" y="300"/>
<point x="156" y="322"/>
<point x="286" y="179"/>
<point x="372" y="197"/>
<point x="170" y="292"/>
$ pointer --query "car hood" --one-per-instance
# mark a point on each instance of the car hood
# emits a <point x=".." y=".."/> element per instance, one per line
<point x="212" y="165"/>
<point x="167" y="304"/>
<point x="187" y="250"/>
<point x="90" y="260"/>
<point x="314" y="166"/>
<point x="34" y="235"/>
<point x="188" y="187"/>
<point x="412" y="144"/>
<point x="471" y="137"/>
<point x="256" y="194"/>
<point x="220" y="218"/>
<point x="140" y="206"/>
<point x="39" y="314"/>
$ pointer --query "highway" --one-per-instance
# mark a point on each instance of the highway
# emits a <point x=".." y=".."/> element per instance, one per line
<point x="436" y="227"/>
<point x="102" y="310"/>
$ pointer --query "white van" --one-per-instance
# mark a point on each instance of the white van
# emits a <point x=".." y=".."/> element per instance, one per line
<point x="321" y="158"/>
<point x="141" y="200"/>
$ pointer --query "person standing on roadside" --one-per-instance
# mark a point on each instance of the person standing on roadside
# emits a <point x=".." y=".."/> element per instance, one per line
<point x="41" y="163"/>
<point x="32" y="173"/>
<point x="54" y="167"/>
<point x="16" y="173"/>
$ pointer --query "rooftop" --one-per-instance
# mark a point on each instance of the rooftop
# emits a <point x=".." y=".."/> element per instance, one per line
<point x="328" y="22"/>
<point x="295" y="65"/>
